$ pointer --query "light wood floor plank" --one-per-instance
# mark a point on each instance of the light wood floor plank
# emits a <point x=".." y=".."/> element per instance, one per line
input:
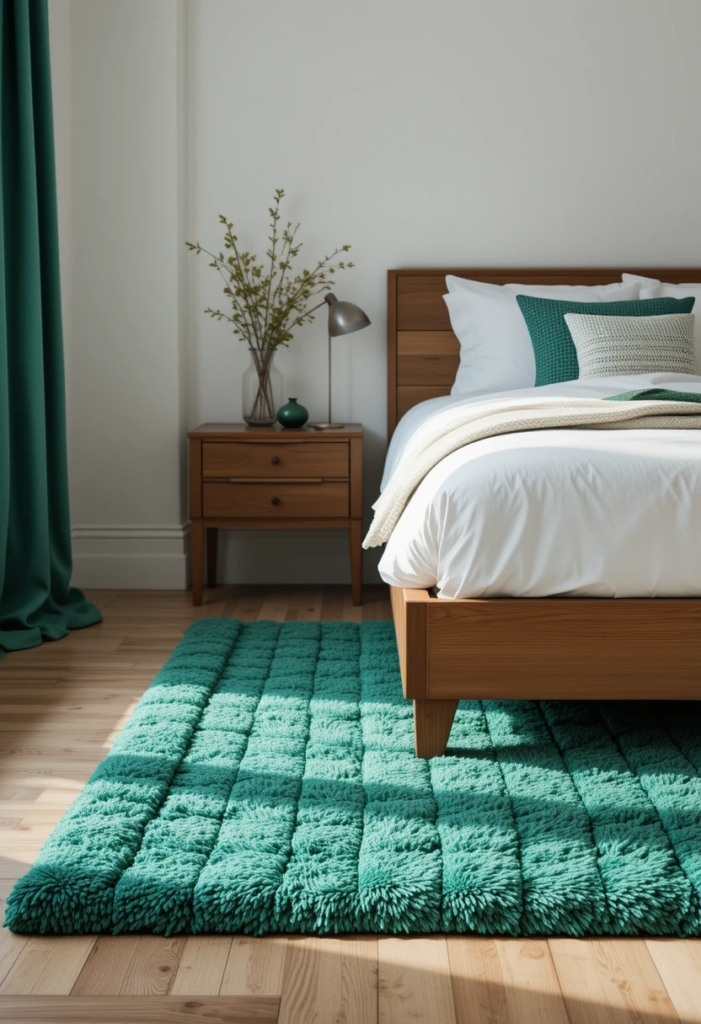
<point x="87" y="753"/>
<point x="131" y="965"/>
<point x="332" y="604"/>
<point x="305" y="606"/>
<point x="66" y="693"/>
<point x="351" y="612"/>
<point x="610" y="981"/>
<point x="64" y="711"/>
<point x="255" y="966"/>
<point x="275" y="606"/>
<point x="66" y="661"/>
<point x="79" y="640"/>
<point x="6" y="887"/>
<point x="478" y="981"/>
<point x="376" y="609"/>
<point x="414" y="981"/>
<point x="139" y="1010"/>
<point x="532" y="986"/>
<point x="10" y="948"/>
<point x="29" y="816"/>
<point x="202" y="966"/>
<point x="242" y="602"/>
<point x="104" y="971"/>
<point x="153" y="967"/>
<point x="47" y="965"/>
<point x="330" y="980"/>
<point x="679" y="964"/>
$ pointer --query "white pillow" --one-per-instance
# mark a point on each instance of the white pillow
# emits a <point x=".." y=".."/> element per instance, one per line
<point x="610" y="346"/>
<point x="644" y="282"/>
<point x="496" y="353"/>
<point x="651" y="288"/>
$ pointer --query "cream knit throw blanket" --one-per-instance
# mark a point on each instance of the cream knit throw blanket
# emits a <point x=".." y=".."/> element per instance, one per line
<point x="469" y="424"/>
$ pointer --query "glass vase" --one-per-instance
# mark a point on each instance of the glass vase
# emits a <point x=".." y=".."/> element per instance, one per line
<point x="262" y="389"/>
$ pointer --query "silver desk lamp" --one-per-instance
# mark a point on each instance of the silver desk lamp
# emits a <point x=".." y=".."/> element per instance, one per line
<point x="344" y="318"/>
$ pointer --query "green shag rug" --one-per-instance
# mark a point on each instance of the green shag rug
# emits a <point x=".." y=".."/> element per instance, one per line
<point x="267" y="782"/>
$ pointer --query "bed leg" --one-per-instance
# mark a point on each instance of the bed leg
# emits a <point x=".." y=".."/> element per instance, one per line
<point x="432" y="722"/>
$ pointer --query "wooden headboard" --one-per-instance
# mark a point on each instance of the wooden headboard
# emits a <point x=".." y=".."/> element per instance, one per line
<point x="423" y="352"/>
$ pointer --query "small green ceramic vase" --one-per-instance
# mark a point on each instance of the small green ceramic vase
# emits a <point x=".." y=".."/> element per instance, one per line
<point x="293" y="415"/>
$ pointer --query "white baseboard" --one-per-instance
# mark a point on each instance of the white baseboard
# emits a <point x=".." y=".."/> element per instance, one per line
<point x="131" y="557"/>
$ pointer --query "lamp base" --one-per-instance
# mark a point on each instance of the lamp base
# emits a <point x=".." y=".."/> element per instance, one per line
<point x="327" y="426"/>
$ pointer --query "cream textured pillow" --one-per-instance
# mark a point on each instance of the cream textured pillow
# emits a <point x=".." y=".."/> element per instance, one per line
<point x="651" y="288"/>
<point x="608" y="346"/>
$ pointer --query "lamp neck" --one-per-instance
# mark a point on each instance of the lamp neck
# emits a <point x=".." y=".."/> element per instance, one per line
<point x="328" y="300"/>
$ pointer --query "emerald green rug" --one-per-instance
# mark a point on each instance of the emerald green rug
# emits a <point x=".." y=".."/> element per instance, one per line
<point x="266" y="782"/>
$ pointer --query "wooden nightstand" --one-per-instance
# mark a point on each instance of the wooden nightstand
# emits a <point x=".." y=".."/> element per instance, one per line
<point x="267" y="478"/>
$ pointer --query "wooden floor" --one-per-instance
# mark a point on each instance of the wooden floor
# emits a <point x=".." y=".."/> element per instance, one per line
<point x="62" y="706"/>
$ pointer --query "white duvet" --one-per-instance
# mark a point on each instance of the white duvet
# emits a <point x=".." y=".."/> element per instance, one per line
<point x="597" y="513"/>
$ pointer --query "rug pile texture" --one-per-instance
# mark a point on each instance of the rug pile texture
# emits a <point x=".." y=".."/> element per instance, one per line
<point x="266" y="782"/>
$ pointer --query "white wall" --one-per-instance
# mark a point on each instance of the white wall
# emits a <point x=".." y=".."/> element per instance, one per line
<point x="122" y="236"/>
<point x="460" y="132"/>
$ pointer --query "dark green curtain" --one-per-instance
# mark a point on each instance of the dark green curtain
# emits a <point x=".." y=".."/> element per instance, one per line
<point x="37" y="602"/>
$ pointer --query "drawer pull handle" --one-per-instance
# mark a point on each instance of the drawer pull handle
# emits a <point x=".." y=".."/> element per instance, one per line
<point x="275" y="501"/>
<point x="275" y="460"/>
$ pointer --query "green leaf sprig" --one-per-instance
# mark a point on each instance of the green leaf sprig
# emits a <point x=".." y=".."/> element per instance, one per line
<point x="269" y="304"/>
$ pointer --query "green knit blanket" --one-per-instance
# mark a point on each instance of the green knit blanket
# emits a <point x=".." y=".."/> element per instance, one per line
<point x="266" y="782"/>
<point x="655" y="395"/>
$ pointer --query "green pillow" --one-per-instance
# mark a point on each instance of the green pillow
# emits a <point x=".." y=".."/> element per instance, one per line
<point x="555" y="354"/>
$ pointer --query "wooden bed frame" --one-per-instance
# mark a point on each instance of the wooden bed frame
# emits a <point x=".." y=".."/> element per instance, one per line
<point x="519" y="648"/>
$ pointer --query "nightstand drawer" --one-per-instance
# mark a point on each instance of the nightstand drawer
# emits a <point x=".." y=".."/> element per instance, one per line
<point x="275" y="500"/>
<point x="270" y="459"/>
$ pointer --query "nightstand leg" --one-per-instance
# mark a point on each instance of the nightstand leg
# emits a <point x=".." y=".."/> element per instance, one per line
<point x="356" y="559"/>
<point x="212" y="538"/>
<point x="196" y="559"/>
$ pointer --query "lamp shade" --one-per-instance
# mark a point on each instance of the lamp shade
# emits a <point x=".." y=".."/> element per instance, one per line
<point x="345" y="317"/>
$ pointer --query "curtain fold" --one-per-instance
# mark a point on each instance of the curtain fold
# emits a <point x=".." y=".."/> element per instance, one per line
<point x="37" y="602"/>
